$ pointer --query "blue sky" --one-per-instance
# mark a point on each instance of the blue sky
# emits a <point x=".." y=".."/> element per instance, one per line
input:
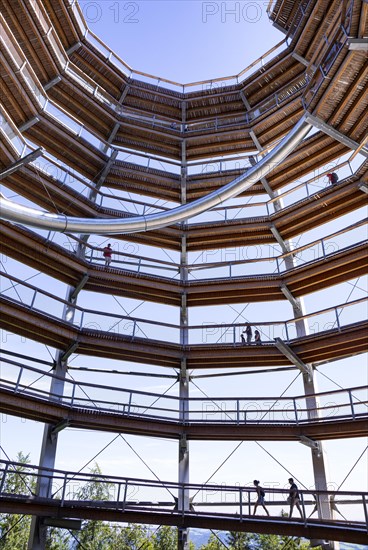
<point x="184" y="40"/>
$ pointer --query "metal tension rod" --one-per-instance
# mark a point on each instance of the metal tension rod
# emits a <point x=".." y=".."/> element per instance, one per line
<point x="59" y="222"/>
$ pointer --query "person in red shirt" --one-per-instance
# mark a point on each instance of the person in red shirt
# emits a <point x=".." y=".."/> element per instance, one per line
<point x="107" y="254"/>
<point x="333" y="178"/>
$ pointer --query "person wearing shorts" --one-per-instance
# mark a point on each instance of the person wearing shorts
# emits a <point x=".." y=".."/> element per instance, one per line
<point x="294" y="498"/>
<point x="260" y="498"/>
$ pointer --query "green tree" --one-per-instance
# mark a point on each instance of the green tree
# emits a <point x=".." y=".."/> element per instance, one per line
<point x="95" y="535"/>
<point x="58" y="539"/>
<point x="268" y="542"/>
<point x="131" y="537"/>
<point x="272" y="542"/>
<point x="166" y="538"/>
<point x="14" y="528"/>
<point x="240" y="541"/>
<point x="213" y="543"/>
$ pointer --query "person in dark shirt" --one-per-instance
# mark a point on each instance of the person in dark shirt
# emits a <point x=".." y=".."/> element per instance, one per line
<point x="260" y="497"/>
<point x="294" y="498"/>
<point x="248" y="332"/>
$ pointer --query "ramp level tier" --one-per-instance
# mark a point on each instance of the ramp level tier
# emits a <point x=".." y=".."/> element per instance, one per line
<point x="165" y="271"/>
<point x="154" y="502"/>
<point x="41" y="302"/>
<point x="21" y="396"/>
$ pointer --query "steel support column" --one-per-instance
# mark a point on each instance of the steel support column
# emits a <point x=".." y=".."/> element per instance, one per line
<point x="310" y="388"/>
<point x="310" y="384"/>
<point x="116" y="127"/>
<point x="320" y="468"/>
<point x="38" y="531"/>
<point x="183" y="473"/>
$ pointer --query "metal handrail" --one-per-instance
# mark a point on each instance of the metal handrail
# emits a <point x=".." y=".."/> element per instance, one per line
<point x="64" y="492"/>
<point x="84" y="476"/>
<point x="151" y="263"/>
<point x="206" y="329"/>
<point x="228" y="410"/>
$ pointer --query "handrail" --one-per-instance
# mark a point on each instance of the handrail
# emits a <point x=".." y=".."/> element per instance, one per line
<point x="142" y="495"/>
<point x="267" y="410"/>
<point x="164" y="264"/>
<point x="334" y="47"/>
<point x="292" y="254"/>
<point x="159" y="483"/>
<point x="122" y="112"/>
<point x="25" y="69"/>
<point x="207" y="330"/>
<point x="304" y="185"/>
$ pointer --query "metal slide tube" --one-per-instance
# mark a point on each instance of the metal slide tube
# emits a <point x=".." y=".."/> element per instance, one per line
<point x="59" y="222"/>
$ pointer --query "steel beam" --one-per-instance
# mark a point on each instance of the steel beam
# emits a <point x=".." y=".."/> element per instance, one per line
<point x="63" y="523"/>
<point x="314" y="445"/>
<point x="28" y="124"/>
<point x="264" y="181"/>
<point x="117" y="125"/>
<point x="21" y="162"/>
<point x="52" y="83"/>
<point x="335" y="134"/>
<point x="301" y="59"/>
<point x="292" y="356"/>
<point x="106" y="169"/>
<point x="278" y="238"/>
<point x="64" y="423"/>
<point x="71" y="349"/>
<point x="73" y="48"/>
<point x="245" y="101"/>
<point x="255" y="141"/>
<point x="358" y="44"/>
<point x="38" y="531"/>
<point x="183" y="472"/>
<point x="79" y="286"/>
<point x="294" y="301"/>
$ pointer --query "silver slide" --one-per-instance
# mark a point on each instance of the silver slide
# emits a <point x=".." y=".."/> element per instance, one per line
<point x="59" y="222"/>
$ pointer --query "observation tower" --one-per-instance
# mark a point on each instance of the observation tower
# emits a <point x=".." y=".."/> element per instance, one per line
<point x="217" y="200"/>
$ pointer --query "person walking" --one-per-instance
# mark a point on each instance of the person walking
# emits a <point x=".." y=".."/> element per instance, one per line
<point x="294" y="498"/>
<point x="107" y="254"/>
<point x="260" y="497"/>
